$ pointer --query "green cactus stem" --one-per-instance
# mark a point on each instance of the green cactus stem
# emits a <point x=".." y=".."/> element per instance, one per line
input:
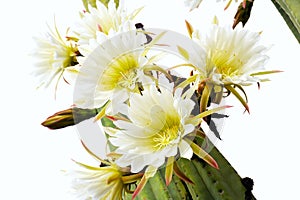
<point x="290" y="11"/>
<point x="208" y="183"/>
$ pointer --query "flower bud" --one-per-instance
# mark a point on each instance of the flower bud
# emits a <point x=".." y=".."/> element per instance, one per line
<point x="69" y="117"/>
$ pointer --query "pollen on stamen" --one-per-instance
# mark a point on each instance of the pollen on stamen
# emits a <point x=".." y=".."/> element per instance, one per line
<point x="128" y="80"/>
<point x="165" y="137"/>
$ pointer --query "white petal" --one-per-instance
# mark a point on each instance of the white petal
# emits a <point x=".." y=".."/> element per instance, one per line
<point x="185" y="150"/>
<point x="188" y="128"/>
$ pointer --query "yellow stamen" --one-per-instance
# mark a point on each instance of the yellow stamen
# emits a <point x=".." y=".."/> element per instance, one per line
<point x="227" y="63"/>
<point x="122" y="72"/>
<point x="167" y="135"/>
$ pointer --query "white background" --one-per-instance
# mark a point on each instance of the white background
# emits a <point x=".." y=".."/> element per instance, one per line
<point x="263" y="145"/>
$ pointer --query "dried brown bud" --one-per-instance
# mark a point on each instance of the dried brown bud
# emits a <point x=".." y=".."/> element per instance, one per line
<point x="243" y="13"/>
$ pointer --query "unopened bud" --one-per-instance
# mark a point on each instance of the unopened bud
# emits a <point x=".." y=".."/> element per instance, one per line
<point x="69" y="117"/>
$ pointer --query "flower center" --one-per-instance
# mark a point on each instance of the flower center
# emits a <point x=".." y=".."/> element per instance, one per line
<point x="167" y="135"/>
<point x="71" y="53"/>
<point x="121" y="73"/>
<point x="128" y="79"/>
<point x="227" y="63"/>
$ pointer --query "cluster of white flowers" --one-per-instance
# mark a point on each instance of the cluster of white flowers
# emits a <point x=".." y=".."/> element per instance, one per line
<point x="154" y="119"/>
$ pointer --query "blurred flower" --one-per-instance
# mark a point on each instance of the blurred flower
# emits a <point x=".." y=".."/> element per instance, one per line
<point x="193" y="4"/>
<point x="97" y="183"/>
<point x="101" y="23"/>
<point x="55" y="55"/>
<point x="232" y="55"/>
<point x="229" y="2"/>
<point x="158" y="126"/>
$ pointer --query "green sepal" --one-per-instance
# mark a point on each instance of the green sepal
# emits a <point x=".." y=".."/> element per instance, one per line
<point x="238" y="96"/>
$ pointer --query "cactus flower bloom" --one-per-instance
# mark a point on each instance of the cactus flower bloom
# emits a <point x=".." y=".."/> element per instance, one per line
<point x="158" y="128"/>
<point x="97" y="183"/>
<point x="54" y="55"/>
<point x="233" y="56"/>
<point x="101" y="23"/>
